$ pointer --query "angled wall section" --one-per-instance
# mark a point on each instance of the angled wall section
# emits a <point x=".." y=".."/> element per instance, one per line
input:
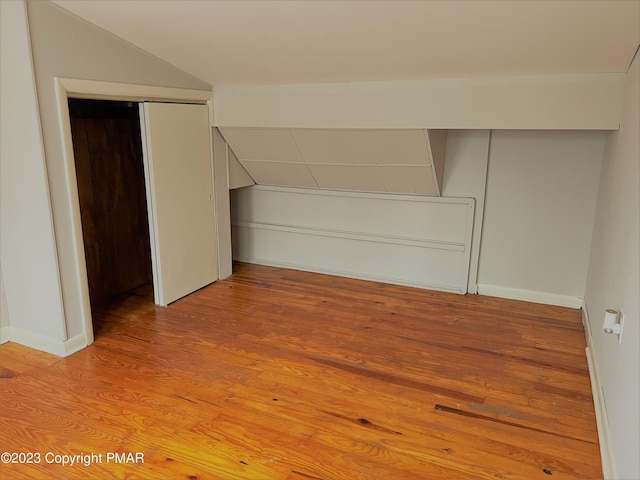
<point x="238" y="175"/>
<point x="65" y="46"/>
<point x="27" y="245"/>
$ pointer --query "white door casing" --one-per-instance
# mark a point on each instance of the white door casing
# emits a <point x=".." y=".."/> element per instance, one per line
<point x="76" y="301"/>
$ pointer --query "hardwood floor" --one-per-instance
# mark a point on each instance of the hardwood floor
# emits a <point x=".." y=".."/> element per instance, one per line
<point x="286" y="375"/>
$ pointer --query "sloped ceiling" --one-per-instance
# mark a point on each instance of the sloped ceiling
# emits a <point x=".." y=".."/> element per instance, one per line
<point x="272" y="42"/>
<point x="229" y="42"/>
<point x="393" y="161"/>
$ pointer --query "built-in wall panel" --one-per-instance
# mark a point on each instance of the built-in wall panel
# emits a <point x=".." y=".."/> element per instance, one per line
<point x="409" y="240"/>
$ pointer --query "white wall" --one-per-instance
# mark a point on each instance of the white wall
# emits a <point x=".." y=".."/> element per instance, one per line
<point x="64" y="46"/>
<point x="546" y="102"/>
<point x="5" y="334"/>
<point x="613" y="281"/>
<point x="27" y="245"/>
<point x="223" y="207"/>
<point x="465" y="175"/>
<point x="539" y="213"/>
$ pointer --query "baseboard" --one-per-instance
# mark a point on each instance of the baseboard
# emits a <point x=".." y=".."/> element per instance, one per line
<point x="5" y="334"/>
<point x="586" y="324"/>
<point x="347" y="274"/>
<point x="74" y="344"/>
<point x="604" y="435"/>
<point x="530" y="296"/>
<point x="47" y="344"/>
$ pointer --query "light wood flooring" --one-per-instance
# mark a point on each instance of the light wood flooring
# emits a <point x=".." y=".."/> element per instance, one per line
<point x="285" y="375"/>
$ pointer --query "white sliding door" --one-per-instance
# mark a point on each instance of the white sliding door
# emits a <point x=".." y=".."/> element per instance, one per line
<point x="179" y="182"/>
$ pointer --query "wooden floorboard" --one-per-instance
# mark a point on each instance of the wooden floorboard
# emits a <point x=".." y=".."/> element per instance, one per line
<point x="278" y="374"/>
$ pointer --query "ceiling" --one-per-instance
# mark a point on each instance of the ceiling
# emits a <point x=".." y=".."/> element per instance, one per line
<point x="390" y="161"/>
<point x="231" y="42"/>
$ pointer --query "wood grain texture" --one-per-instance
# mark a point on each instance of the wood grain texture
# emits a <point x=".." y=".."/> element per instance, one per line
<point x="286" y="375"/>
<point x="110" y="174"/>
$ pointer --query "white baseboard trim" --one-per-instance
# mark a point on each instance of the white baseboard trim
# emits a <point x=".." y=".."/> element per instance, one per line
<point x="74" y="344"/>
<point x="602" y="423"/>
<point x="5" y="334"/>
<point x="47" y="344"/>
<point x="604" y="435"/>
<point x="347" y="274"/>
<point x="530" y="296"/>
<point x="586" y="324"/>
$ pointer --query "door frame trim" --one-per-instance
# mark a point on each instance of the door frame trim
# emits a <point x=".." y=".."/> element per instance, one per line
<point x="66" y="88"/>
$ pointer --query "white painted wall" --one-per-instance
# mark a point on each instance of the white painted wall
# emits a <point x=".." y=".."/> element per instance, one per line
<point x="539" y="213"/>
<point x="465" y="175"/>
<point x="5" y="334"/>
<point x="613" y="281"/>
<point x="590" y="102"/>
<point x="27" y="244"/>
<point x="238" y="176"/>
<point x="221" y="173"/>
<point x="64" y="46"/>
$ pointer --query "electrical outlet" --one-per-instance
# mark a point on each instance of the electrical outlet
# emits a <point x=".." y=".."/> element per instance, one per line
<point x="621" y="322"/>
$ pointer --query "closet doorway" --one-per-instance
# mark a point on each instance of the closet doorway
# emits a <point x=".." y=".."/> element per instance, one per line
<point x="107" y="145"/>
<point x="175" y="127"/>
<point x="145" y="195"/>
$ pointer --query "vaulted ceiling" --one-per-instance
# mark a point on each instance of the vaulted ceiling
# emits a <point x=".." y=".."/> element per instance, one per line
<point x="235" y="43"/>
<point x="279" y="42"/>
